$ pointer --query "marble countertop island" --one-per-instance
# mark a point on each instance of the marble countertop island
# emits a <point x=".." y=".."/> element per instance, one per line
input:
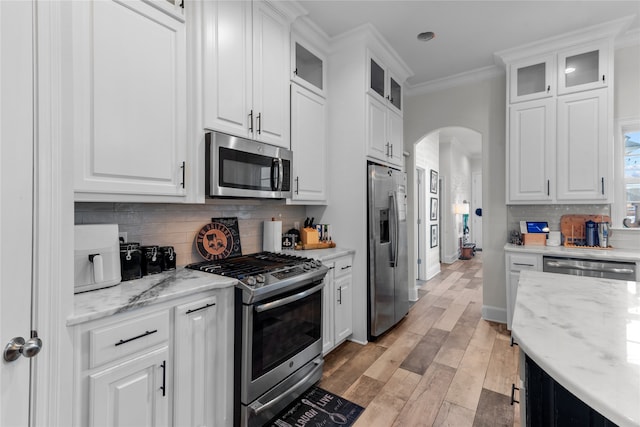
<point x="149" y="290"/>
<point x="585" y="333"/>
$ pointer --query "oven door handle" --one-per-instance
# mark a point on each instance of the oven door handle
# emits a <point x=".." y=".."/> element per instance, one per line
<point x="258" y="407"/>
<point x="284" y="301"/>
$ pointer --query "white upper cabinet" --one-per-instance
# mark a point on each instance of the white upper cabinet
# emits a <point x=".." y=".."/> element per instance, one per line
<point x="583" y="68"/>
<point x="246" y="70"/>
<point x="383" y="113"/>
<point x="382" y="84"/>
<point x="308" y="143"/>
<point x="308" y="67"/>
<point x="532" y="79"/>
<point x="128" y="65"/>
<point x="531" y="151"/>
<point x="584" y="147"/>
<point x="560" y="118"/>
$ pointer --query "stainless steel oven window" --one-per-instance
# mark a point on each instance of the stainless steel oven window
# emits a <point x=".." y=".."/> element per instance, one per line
<point x="282" y="332"/>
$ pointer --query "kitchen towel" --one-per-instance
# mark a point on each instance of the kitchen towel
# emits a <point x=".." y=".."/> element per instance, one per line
<point x="272" y="236"/>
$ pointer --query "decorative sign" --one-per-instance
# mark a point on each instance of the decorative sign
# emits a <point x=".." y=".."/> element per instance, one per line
<point x="219" y="239"/>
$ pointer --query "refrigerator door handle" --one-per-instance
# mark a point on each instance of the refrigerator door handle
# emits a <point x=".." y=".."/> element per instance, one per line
<point x="396" y="229"/>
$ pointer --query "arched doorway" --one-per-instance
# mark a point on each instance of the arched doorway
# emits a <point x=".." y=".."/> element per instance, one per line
<point x="447" y="179"/>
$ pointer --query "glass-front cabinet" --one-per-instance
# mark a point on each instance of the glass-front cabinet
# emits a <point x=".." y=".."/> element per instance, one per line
<point x="308" y="67"/>
<point x="583" y="68"/>
<point x="383" y="85"/>
<point x="532" y="79"/>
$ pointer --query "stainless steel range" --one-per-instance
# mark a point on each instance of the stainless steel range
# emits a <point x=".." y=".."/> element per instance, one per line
<point x="278" y="339"/>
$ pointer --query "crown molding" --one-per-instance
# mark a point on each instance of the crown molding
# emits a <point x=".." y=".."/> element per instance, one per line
<point x="479" y="74"/>
<point x="628" y="39"/>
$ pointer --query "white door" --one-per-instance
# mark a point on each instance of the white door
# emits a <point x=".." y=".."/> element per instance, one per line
<point x="16" y="189"/>
<point x="476" y="215"/>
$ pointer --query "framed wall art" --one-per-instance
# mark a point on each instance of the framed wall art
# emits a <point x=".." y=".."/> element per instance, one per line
<point x="433" y="184"/>
<point x="434" y="235"/>
<point x="434" y="209"/>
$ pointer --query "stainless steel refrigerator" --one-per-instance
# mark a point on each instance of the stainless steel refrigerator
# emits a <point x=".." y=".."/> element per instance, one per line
<point x="388" y="287"/>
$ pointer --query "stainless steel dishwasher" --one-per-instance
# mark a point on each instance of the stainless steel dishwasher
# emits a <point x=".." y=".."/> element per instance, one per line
<point x="591" y="268"/>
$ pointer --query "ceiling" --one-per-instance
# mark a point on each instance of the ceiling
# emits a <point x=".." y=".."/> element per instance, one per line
<point x="467" y="32"/>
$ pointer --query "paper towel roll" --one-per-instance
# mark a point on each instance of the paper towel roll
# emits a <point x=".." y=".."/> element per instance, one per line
<point x="272" y="236"/>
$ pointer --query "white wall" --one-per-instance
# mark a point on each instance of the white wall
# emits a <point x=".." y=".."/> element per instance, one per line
<point x="427" y="157"/>
<point x="479" y="106"/>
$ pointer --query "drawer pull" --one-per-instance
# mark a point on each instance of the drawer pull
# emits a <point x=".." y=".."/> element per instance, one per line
<point x="200" y="308"/>
<point x="523" y="264"/>
<point x="135" y="338"/>
<point x="346" y="267"/>
<point x="513" y="391"/>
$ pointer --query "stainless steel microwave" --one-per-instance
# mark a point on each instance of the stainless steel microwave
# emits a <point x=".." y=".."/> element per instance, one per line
<point x="238" y="167"/>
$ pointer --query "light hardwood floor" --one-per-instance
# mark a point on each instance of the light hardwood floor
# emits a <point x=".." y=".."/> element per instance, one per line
<point x="440" y="366"/>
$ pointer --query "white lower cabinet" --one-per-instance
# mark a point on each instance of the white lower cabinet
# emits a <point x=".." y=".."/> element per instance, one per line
<point x="337" y="314"/>
<point x="515" y="264"/>
<point x="168" y="364"/>
<point x="203" y="352"/>
<point x="133" y="393"/>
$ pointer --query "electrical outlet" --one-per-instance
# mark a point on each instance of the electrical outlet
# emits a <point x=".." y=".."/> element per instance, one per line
<point x="122" y="235"/>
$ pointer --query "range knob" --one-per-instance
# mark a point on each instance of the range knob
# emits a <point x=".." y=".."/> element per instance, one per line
<point x="306" y="266"/>
<point x="251" y="281"/>
<point x="260" y="278"/>
<point x="317" y="263"/>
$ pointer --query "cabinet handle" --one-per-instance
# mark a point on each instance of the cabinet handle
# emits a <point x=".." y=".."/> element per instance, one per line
<point x="522" y="264"/>
<point x="297" y="185"/>
<point x="295" y="71"/>
<point x="340" y="295"/>
<point x="603" y="79"/>
<point x="548" y="88"/>
<point x="182" y="4"/>
<point x="183" y="167"/>
<point x="331" y="268"/>
<point x="251" y="121"/>
<point x="200" y="308"/>
<point x="135" y="338"/>
<point x="345" y="267"/>
<point x="391" y="150"/>
<point x="164" y="378"/>
<point x="548" y="187"/>
<point x="513" y="342"/>
<point x="259" y="120"/>
<point x="513" y="392"/>
<point x="602" y="185"/>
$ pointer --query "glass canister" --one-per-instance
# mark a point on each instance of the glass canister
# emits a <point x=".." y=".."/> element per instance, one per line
<point x="168" y="256"/>
<point x="151" y="260"/>
<point x="130" y="261"/>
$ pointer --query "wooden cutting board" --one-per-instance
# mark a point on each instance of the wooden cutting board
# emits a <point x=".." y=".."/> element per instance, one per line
<point x="573" y="227"/>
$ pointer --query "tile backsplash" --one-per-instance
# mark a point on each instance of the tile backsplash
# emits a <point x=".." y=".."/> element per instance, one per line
<point x="549" y="213"/>
<point x="177" y="224"/>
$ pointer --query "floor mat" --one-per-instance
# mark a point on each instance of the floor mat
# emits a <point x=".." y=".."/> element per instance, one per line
<point x="318" y="407"/>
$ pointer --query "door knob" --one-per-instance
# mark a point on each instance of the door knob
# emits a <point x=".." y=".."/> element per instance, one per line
<point x="18" y="346"/>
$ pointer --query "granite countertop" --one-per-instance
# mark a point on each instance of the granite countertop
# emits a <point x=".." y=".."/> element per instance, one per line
<point x="149" y="290"/>
<point x="325" y="254"/>
<point x="585" y="333"/>
<point x="612" y="254"/>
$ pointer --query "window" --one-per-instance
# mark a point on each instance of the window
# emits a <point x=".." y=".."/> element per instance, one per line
<point x="632" y="175"/>
<point x="625" y="211"/>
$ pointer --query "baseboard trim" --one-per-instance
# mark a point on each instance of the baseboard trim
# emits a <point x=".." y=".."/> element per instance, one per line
<point x="433" y="272"/>
<point x="494" y="314"/>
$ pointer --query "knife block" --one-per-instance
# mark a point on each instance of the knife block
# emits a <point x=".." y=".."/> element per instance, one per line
<point x="309" y="235"/>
